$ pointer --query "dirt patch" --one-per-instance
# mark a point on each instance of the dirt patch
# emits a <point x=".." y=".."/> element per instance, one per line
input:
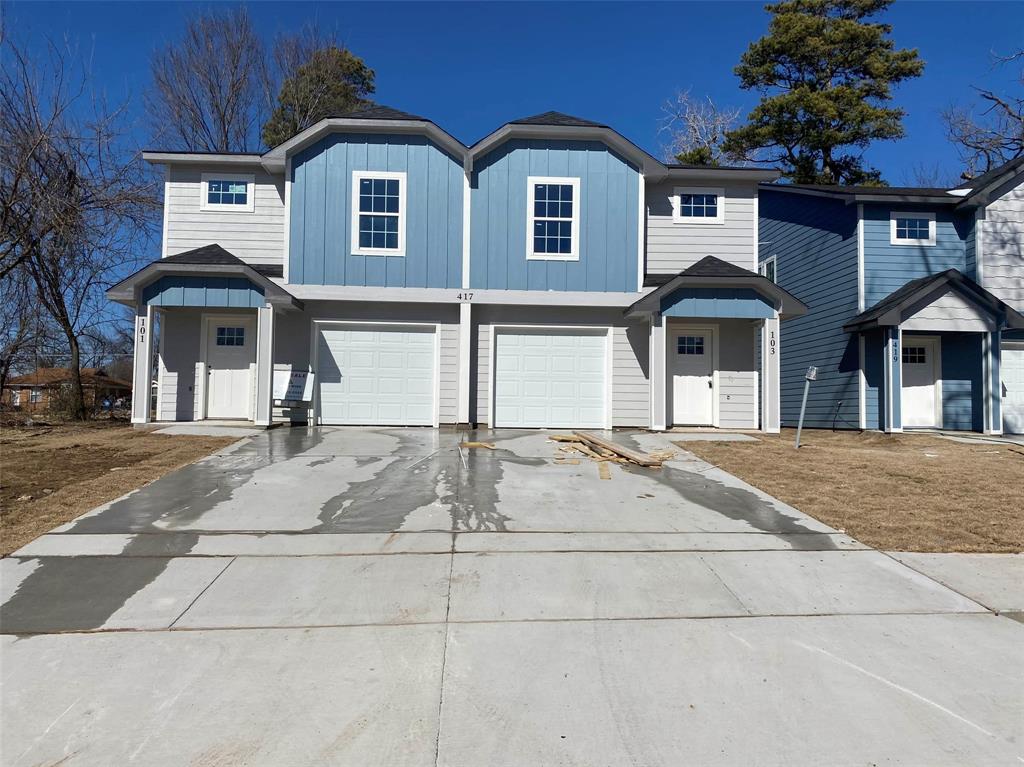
<point x="894" y="492"/>
<point x="51" y="474"/>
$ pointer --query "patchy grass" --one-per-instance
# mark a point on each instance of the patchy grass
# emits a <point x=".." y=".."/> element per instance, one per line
<point x="894" y="492"/>
<point x="51" y="474"/>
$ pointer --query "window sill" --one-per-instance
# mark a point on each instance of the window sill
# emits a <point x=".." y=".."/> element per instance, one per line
<point x="915" y="243"/>
<point x="698" y="221"/>
<point x="226" y="209"/>
<point x="551" y="257"/>
<point x="377" y="252"/>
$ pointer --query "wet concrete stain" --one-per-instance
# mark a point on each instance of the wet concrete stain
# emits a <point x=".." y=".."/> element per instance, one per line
<point x="465" y="485"/>
<point x="83" y="593"/>
<point x="79" y="593"/>
<point x="736" y="503"/>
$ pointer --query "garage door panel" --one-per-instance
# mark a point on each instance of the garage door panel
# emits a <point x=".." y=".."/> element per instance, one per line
<point x="1011" y="372"/>
<point x="550" y="378"/>
<point x="376" y="376"/>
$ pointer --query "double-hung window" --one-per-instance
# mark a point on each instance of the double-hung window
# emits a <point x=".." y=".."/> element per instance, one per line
<point x="553" y="218"/>
<point x="230" y="192"/>
<point x="767" y="268"/>
<point x="698" y="205"/>
<point x="912" y="228"/>
<point x="378" y="213"/>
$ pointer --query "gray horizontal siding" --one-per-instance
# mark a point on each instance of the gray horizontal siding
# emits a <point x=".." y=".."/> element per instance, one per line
<point x="815" y="242"/>
<point x="256" y="237"/>
<point x="737" y="379"/>
<point x="672" y="247"/>
<point x="1002" y="245"/>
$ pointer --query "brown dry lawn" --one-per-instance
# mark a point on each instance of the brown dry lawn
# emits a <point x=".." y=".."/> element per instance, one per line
<point x="51" y="474"/>
<point x="895" y="492"/>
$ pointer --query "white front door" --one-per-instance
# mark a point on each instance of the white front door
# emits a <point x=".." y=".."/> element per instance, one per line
<point x="1011" y="374"/>
<point x="692" y="369"/>
<point x="550" y="378"/>
<point x="919" y="374"/>
<point x="230" y="357"/>
<point x="376" y="375"/>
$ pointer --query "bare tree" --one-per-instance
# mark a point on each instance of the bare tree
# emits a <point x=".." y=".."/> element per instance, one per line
<point x="83" y="208"/>
<point x="932" y="176"/>
<point x="995" y="135"/>
<point x="208" y="91"/>
<point x="19" y="326"/>
<point x="696" y="128"/>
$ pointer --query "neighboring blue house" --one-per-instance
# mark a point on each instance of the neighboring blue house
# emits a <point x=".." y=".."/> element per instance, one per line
<point x="552" y="274"/>
<point x="915" y="299"/>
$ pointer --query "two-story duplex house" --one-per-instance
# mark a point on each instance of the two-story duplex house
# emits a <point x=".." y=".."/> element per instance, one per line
<point x="915" y="299"/>
<point x="552" y="274"/>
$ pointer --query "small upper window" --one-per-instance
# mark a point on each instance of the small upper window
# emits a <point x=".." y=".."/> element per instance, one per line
<point x="35" y="395"/>
<point x="767" y="268"/>
<point x="698" y="205"/>
<point x="553" y="218"/>
<point x="912" y="229"/>
<point x="378" y="213"/>
<point x="230" y="336"/>
<point x="915" y="355"/>
<point x="690" y="345"/>
<point x="227" y="191"/>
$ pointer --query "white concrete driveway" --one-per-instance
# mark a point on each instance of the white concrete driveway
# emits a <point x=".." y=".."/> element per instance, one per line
<point x="381" y="597"/>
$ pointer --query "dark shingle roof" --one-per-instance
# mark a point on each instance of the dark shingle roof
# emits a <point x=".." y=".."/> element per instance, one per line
<point x="709" y="266"/>
<point x="885" y="191"/>
<point x="989" y="176"/>
<point x="557" y="118"/>
<point x="379" y="112"/>
<point x="268" y="270"/>
<point x="207" y="254"/>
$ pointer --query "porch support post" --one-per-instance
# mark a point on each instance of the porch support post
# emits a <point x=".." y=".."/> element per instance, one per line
<point x="657" y="352"/>
<point x="893" y="368"/>
<point x="771" y="349"/>
<point x="993" y="389"/>
<point x="264" y="365"/>
<point x="465" y="357"/>
<point x="142" y="374"/>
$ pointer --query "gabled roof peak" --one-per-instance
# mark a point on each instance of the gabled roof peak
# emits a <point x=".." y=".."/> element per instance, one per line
<point x="557" y="118"/>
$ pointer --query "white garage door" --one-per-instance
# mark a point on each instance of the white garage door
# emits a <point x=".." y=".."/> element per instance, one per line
<point x="376" y="376"/>
<point x="550" y="378"/>
<point x="1012" y="374"/>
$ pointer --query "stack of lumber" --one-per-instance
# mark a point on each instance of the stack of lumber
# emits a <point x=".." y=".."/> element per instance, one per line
<point x="603" y="450"/>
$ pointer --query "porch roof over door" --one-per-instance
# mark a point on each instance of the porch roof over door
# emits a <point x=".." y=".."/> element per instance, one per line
<point x="909" y="300"/>
<point x="207" y="276"/>
<point x="715" y="288"/>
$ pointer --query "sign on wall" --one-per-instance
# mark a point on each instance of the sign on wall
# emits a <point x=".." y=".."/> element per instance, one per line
<point x="293" y="385"/>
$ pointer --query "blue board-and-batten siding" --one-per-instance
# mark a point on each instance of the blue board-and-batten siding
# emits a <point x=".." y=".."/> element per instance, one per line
<point x="187" y="290"/>
<point x="888" y="267"/>
<point x="320" y="241"/>
<point x="722" y="303"/>
<point x="609" y="191"/>
<point x="962" y="381"/>
<point x="814" y="240"/>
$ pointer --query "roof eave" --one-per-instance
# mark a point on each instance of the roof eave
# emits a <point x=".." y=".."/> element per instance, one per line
<point x="649" y="166"/>
<point x="757" y="175"/>
<point x="785" y="302"/>
<point x="199" y="158"/>
<point x="128" y="290"/>
<point x="275" y="160"/>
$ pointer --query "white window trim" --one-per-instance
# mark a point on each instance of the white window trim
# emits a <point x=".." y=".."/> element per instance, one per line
<point x="894" y="240"/>
<point x="770" y="260"/>
<point x="359" y="175"/>
<point x="574" y="182"/>
<point x="677" y="205"/>
<point x="250" y="192"/>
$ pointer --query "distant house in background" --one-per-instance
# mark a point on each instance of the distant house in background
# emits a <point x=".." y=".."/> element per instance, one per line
<point x="37" y="392"/>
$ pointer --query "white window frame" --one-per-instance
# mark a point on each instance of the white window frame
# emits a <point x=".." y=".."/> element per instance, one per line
<point x="774" y="261"/>
<point x="250" y="192"/>
<point x="531" y="183"/>
<point x="894" y="240"/>
<point x="359" y="175"/>
<point x="35" y="395"/>
<point x="677" y="205"/>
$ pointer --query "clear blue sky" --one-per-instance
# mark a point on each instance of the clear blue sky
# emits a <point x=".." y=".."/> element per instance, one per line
<point x="471" y="67"/>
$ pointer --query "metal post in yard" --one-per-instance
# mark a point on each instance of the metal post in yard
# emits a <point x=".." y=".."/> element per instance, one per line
<point x="810" y="375"/>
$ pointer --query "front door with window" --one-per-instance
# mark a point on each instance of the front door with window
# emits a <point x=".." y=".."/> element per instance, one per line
<point x="230" y="355"/>
<point x="919" y="375"/>
<point x="692" y="373"/>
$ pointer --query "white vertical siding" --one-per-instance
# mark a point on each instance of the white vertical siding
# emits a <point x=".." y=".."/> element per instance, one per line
<point x="672" y="247"/>
<point x="1002" y="244"/>
<point x="256" y="237"/>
